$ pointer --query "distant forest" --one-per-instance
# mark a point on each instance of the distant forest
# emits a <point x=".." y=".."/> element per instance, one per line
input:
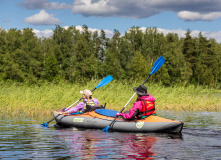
<point x="75" y="56"/>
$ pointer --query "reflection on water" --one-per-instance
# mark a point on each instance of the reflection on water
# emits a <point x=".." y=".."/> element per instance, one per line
<point x="97" y="144"/>
<point x="27" y="139"/>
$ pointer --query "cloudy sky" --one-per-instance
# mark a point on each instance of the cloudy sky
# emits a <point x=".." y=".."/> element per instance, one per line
<point x="167" y="15"/>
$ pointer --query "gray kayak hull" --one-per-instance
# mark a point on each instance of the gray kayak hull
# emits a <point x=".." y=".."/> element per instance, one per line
<point x="96" y="121"/>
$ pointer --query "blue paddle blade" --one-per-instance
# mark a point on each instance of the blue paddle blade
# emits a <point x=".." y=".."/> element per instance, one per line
<point x="106" y="128"/>
<point x="45" y="124"/>
<point x="105" y="81"/>
<point x="159" y="62"/>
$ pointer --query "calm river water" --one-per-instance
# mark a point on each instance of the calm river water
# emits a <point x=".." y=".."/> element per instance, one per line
<point x="27" y="139"/>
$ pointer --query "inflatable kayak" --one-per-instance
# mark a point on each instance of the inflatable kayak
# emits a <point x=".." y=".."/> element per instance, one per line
<point x="101" y="118"/>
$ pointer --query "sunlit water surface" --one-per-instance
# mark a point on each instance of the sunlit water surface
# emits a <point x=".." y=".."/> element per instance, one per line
<point x="27" y="139"/>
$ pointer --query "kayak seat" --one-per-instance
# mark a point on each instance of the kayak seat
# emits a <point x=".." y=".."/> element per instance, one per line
<point x="106" y="112"/>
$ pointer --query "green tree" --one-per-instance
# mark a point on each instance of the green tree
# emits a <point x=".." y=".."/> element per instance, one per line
<point x="174" y="58"/>
<point x="189" y="52"/>
<point x="139" y="66"/>
<point x="112" y="60"/>
<point x="82" y="55"/>
<point x="51" y="67"/>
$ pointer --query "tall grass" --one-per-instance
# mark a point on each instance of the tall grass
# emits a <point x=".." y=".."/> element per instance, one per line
<point x="23" y="100"/>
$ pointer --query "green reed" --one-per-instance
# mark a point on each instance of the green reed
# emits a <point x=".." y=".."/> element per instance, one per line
<point x="23" y="100"/>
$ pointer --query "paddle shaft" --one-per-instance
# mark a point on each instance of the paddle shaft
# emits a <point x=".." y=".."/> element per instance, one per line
<point x="133" y="95"/>
<point x="52" y="119"/>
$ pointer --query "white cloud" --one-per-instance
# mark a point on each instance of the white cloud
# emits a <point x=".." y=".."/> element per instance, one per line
<point x="195" y="33"/>
<point x="191" y="10"/>
<point x="214" y="35"/>
<point x="45" y="33"/>
<point x="188" y="9"/>
<point x="42" y="18"/>
<point x="113" y="8"/>
<point x="181" y="33"/>
<point x="193" y="16"/>
<point x="44" y="4"/>
<point x="49" y="32"/>
<point x="87" y="7"/>
<point x="109" y="34"/>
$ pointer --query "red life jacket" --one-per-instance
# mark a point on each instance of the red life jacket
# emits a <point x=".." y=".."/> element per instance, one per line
<point x="148" y="108"/>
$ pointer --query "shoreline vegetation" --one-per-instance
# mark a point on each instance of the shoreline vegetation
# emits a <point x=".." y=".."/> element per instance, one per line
<point x="17" y="99"/>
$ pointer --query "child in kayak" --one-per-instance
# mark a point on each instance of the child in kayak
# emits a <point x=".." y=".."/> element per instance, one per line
<point x="143" y="107"/>
<point x="87" y="100"/>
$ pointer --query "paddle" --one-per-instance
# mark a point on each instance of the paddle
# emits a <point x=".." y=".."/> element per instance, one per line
<point x="159" y="62"/>
<point x="102" y="83"/>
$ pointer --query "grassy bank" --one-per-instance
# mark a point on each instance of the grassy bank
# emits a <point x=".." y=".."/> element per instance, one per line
<point x="23" y="100"/>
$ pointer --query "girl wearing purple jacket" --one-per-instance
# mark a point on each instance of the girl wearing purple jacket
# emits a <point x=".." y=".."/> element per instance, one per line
<point x="87" y="100"/>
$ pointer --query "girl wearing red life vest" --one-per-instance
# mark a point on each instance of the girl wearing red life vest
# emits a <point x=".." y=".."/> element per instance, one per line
<point x="144" y="106"/>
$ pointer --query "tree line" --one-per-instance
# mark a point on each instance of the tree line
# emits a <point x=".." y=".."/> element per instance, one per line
<point x="76" y="56"/>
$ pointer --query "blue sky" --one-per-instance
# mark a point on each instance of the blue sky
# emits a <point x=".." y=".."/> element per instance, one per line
<point x="167" y="15"/>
